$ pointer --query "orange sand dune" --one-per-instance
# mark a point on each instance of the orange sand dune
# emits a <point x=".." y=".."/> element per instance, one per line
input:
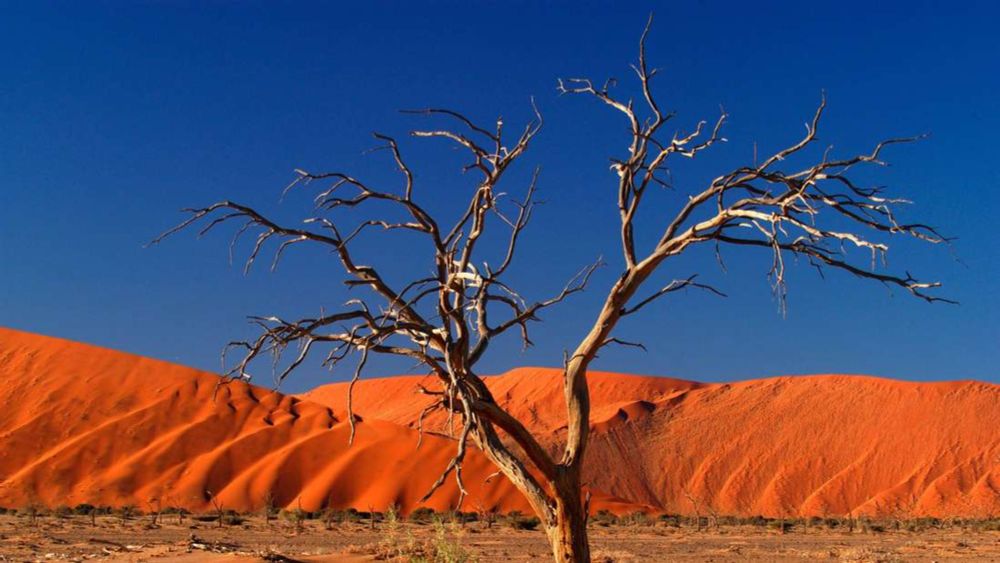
<point x="807" y="445"/>
<point x="535" y="395"/>
<point x="85" y="424"/>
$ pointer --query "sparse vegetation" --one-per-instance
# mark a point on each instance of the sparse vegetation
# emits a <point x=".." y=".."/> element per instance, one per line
<point x="422" y="515"/>
<point x="393" y="520"/>
<point x="444" y="539"/>
<point x="519" y="521"/>
<point x="126" y="513"/>
<point x="486" y="515"/>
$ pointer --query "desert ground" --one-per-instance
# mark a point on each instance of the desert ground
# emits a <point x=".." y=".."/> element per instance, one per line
<point x="108" y="538"/>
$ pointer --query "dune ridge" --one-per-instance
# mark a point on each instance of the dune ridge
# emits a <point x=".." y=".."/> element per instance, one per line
<point x="87" y="424"/>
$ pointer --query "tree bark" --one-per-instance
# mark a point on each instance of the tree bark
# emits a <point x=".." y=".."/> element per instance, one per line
<point x="568" y="534"/>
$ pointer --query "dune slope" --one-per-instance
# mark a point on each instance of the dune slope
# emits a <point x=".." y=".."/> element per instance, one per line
<point x="784" y="446"/>
<point x="87" y="424"/>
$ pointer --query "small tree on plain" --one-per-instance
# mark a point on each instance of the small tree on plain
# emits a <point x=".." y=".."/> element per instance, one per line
<point x="218" y="507"/>
<point x="155" y="506"/>
<point x="447" y="319"/>
<point x="268" y="507"/>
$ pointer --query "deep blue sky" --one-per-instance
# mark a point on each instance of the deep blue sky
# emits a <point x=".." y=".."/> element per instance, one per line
<point x="115" y="116"/>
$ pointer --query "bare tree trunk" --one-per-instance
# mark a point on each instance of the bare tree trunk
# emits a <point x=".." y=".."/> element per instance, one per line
<point x="568" y="535"/>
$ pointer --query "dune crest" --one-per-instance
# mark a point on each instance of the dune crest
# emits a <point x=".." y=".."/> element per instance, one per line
<point x="87" y="424"/>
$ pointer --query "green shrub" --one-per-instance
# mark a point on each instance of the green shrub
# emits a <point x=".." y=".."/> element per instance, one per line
<point x="336" y="516"/>
<point x="447" y="549"/>
<point x="422" y="515"/>
<point x="637" y="518"/>
<point x="460" y="517"/>
<point x="295" y="515"/>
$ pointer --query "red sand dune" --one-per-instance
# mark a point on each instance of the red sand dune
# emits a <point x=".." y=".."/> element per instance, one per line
<point x="805" y="445"/>
<point x="86" y="424"/>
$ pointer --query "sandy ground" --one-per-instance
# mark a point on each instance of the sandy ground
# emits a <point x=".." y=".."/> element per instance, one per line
<point x="75" y="539"/>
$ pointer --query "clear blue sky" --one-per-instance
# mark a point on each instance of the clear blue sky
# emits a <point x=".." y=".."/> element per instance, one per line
<point x="114" y="116"/>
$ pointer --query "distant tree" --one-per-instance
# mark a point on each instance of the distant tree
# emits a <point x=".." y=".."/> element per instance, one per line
<point x="447" y="319"/>
<point x="218" y="506"/>
<point x="155" y="506"/>
<point x="269" y="508"/>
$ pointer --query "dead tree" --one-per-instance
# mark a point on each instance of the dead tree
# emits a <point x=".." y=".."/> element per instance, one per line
<point x="695" y="505"/>
<point x="447" y="319"/>
<point x="218" y="506"/>
<point x="155" y="506"/>
<point x="268" y="507"/>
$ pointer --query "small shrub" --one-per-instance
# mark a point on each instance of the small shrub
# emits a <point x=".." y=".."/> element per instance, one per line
<point x="296" y="517"/>
<point x="336" y="516"/>
<point x="672" y="520"/>
<point x="727" y="521"/>
<point x="924" y="523"/>
<point x="604" y="518"/>
<point x="330" y="517"/>
<point x="447" y="549"/>
<point x="232" y="520"/>
<point x="991" y="525"/>
<point x="873" y="528"/>
<point x="699" y="522"/>
<point x="84" y="509"/>
<point x="518" y="521"/>
<point x="422" y="515"/>
<point x="783" y="526"/>
<point x="127" y="512"/>
<point x="462" y="518"/>
<point x="637" y="518"/>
